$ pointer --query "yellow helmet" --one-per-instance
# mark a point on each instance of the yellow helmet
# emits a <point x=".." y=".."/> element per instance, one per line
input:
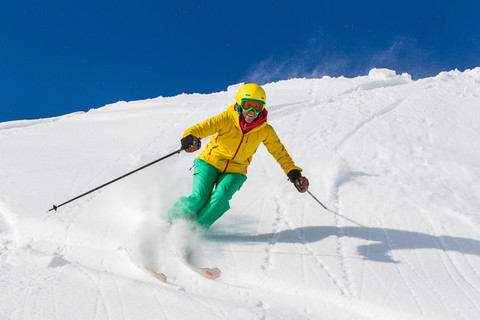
<point x="251" y="92"/>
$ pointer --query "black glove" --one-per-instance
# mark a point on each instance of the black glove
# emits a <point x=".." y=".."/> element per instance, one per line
<point x="293" y="175"/>
<point x="300" y="182"/>
<point x="190" y="143"/>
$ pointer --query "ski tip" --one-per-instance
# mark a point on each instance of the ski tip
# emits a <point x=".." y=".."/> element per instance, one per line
<point x="158" y="275"/>
<point x="212" y="273"/>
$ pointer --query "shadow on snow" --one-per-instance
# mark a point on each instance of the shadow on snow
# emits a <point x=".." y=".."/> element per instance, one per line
<point x="385" y="240"/>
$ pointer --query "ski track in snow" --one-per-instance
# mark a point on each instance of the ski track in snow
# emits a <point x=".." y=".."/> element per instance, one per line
<point x="344" y="290"/>
<point x="400" y="276"/>
<point x="7" y="235"/>
<point x="360" y="125"/>
<point x="392" y="159"/>
<point x="449" y="261"/>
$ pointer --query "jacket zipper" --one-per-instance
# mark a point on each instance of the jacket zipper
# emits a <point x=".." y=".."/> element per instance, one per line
<point x="238" y="148"/>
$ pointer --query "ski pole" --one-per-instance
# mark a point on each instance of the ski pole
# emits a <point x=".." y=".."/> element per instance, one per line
<point x="300" y="185"/>
<point x="336" y="213"/>
<point x="317" y="200"/>
<point x="114" y="180"/>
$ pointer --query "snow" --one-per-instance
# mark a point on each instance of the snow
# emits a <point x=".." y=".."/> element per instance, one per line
<point x="395" y="161"/>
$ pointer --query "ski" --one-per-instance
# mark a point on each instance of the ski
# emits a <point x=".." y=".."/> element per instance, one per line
<point x="209" y="273"/>
<point x="158" y="275"/>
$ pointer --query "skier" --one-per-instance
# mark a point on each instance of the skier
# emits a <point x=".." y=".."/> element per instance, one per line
<point x="221" y="168"/>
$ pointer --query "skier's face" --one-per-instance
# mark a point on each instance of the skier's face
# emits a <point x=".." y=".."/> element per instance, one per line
<point x="249" y="116"/>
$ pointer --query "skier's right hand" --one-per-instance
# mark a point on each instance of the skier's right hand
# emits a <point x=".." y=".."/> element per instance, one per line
<point x="191" y="143"/>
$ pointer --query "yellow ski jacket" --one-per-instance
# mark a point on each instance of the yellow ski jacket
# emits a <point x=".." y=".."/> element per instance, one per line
<point x="231" y="147"/>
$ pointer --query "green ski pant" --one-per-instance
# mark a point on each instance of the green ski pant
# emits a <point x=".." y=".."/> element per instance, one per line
<point x="207" y="204"/>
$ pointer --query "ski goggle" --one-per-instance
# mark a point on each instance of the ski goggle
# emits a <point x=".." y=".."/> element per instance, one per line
<point x="248" y="105"/>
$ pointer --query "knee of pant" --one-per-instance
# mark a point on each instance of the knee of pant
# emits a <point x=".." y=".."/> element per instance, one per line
<point x="223" y="193"/>
<point x="228" y="184"/>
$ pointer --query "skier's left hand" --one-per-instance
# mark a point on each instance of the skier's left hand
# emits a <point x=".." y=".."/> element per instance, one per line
<point x="302" y="184"/>
<point x="299" y="181"/>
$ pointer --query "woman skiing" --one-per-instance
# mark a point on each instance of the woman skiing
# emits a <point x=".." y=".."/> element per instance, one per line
<point x="221" y="168"/>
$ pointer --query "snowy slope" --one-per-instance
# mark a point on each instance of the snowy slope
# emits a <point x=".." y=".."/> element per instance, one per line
<point x="395" y="161"/>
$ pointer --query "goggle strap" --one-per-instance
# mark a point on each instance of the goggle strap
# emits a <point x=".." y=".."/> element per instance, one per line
<point x="253" y="100"/>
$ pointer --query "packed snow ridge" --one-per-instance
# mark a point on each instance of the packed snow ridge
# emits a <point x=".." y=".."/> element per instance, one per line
<point x="395" y="161"/>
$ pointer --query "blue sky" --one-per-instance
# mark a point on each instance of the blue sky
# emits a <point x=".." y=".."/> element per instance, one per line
<point x="58" y="57"/>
